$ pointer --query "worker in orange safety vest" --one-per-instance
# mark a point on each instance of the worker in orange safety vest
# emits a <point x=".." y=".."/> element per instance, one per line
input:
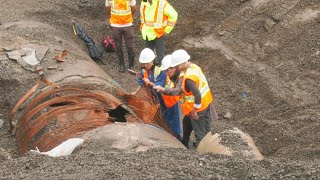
<point x="150" y="76"/>
<point x="158" y="18"/>
<point x="195" y="97"/>
<point x="121" y="20"/>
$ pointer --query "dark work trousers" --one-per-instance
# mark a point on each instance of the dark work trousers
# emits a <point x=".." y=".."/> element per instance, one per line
<point x="159" y="45"/>
<point x="200" y="127"/>
<point x="127" y="34"/>
<point x="187" y="129"/>
<point x="203" y="125"/>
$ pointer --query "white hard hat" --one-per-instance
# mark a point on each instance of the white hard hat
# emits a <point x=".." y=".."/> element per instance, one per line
<point x="166" y="62"/>
<point x="178" y="57"/>
<point x="146" y="56"/>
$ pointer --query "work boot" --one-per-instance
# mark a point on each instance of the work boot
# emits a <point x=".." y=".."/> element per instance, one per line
<point x="121" y="67"/>
<point x="131" y="64"/>
<point x="185" y="143"/>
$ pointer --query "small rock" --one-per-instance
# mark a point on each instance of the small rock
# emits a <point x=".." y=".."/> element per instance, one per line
<point x="60" y="69"/>
<point x="39" y="68"/>
<point x="227" y="115"/>
<point x="40" y="73"/>
<point x="15" y="55"/>
<point x="53" y="67"/>
<point x="9" y="48"/>
<point x="4" y="155"/>
<point x="269" y="24"/>
<point x="1" y="123"/>
<point x="222" y="33"/>
<point x="41" y="51"/>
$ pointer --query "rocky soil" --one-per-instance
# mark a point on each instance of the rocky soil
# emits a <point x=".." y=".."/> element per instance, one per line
<point x="260" y="57"/>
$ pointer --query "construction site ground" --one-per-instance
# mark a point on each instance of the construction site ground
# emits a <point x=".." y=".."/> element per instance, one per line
<point x="262" y="61"/>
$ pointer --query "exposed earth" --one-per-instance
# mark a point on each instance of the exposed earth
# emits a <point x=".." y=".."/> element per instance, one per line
<point x="261" y="58"/>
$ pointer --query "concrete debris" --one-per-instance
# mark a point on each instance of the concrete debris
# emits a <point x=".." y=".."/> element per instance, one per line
<point x="27" y="56"/>
<point x="53" y="67"/>
<point x="230" y="142"/>
<point x="227" y="115"/>
<point x="269" y="24"/>
<point x="15" y="55"/>
<point x="30" y="57"/>
<point x="40" y="73"/>
<point x="39" y="68"/>
<point x="41" y="51"/>
<point x="9" y="48"/>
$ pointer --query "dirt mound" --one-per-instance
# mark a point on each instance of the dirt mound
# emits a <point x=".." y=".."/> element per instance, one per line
<point x="261" y="59"/>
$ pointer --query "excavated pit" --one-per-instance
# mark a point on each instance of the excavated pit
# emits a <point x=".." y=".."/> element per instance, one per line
<point x="271" y="93"/>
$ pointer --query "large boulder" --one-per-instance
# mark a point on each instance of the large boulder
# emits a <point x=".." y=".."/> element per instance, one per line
<point x="131" y="137"/>
<point x="231" y="142"/>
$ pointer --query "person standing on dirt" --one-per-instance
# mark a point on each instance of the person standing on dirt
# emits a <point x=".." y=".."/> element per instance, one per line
<point x="157" y="18"/>
<point x="150" y="76"/>
<point x="121" y="12"/>
<point x="196" y="98"/>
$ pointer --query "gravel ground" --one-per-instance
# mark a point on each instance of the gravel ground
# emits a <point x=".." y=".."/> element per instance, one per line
<point x="260" y="57"/>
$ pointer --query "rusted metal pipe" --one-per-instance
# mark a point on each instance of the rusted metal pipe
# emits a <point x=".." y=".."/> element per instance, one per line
<point x="73" y="101"/>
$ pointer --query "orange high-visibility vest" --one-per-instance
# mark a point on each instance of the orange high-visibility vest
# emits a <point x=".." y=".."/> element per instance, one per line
<point x="160" y="20"/>
<point x="195" y="74"/>
<point x="156" y="72"/>
<point x="120" y="12"/>
<point x="170" y="101"/>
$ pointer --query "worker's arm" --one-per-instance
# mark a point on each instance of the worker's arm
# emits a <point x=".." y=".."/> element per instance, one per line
<point x="108" y="8"/>
<point x="172" y="17"/>
<point x="140" y="83"/>
<point x="133" y="9"/>
<point x="133" y="6"/>
<point x="177" y="90"/>
<point x="192" y="86"/>
<point x="160" y="80"/>
<point x="140" y="79"/>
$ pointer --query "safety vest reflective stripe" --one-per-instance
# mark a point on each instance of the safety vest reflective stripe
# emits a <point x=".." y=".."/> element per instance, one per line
<point x="155" y="25"/>
<point x="202" y="92"/>
<point x="160" y="14"/>
<point x="121" y="12"/>
<point x="116" y="11"/>
<point x="169" y="85"/>
<point x="158" y="20"/>
<point x="187" y="99"/>
<point x="156" y="72"/>
<point x="143" y="7"/>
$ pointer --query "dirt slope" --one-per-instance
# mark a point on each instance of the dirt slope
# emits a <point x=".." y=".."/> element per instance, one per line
<point x="260" y="57"/>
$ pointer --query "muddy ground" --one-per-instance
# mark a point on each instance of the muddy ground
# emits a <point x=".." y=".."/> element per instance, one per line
<point x="260" y="57"/>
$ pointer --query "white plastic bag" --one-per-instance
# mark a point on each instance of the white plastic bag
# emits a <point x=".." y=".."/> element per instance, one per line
<point x="64" y="149"/>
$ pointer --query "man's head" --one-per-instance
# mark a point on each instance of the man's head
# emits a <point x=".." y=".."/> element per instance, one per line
<point x="166" y="63"/>
<point x="146" y="58"/>
<point x="180" y="59"/>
